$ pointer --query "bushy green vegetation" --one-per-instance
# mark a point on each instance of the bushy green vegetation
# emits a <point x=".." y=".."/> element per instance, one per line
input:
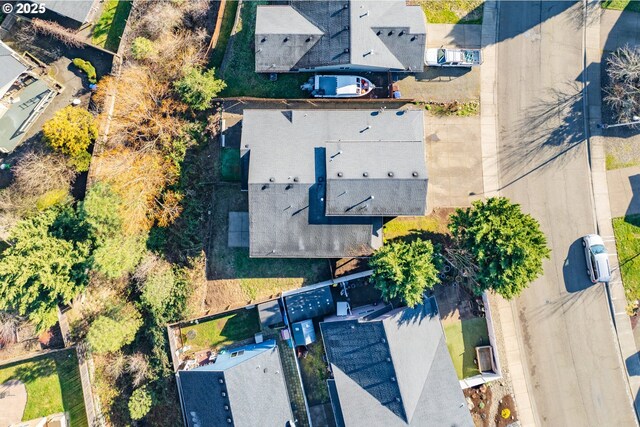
<point x="115" y="329"/>
<point x="140" y="403"/>
<point x="503" y="247"/>
<point x="197" y="88"/>
<point x="142" y="48"/>
<point x="626" y="5"/>
<point x="53" y="385"/>
<point x="70" y="131"/>
<point x="87" y="68"/>
<point x="405" y="270"/>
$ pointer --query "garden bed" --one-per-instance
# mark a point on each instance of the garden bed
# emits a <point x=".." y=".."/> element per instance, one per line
<point x="627" y="234"/>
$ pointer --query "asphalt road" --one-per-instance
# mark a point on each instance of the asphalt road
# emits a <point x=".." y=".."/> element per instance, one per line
<point x="574" y="370"/>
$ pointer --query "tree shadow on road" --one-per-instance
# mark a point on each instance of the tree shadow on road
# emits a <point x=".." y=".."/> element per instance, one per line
<point x="546" y="133"/>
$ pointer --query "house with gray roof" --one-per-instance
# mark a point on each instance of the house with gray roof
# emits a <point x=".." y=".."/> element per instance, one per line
<point x="244" y="387"/>
<point x="320" y="182"/>
<point x="393" y="370"/>
<point x="70" y="13"/>
<point x="362" y="35"/>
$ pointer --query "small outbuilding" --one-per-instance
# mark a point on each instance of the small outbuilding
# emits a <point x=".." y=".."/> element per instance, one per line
<point x="270" y="314"/>
<point x="307" y="305"/>
<point x="303" y="333"/>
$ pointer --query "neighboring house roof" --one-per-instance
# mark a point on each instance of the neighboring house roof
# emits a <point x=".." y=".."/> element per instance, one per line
<point x="298" y="204"/>
<point x="78" y="10"/>
<point x="307" y="305"/>
<point x="362" y="34"/>
<point x="394" y="371"/>
<point x="249" y="389"/>
<point x="11" y="67"/>
<point x="270" y="313"/>
<point x="303" y="332"/>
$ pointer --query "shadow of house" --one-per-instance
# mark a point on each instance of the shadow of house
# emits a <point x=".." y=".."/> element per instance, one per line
<point x="634" y="203"/>
<point x="70" y="14"/>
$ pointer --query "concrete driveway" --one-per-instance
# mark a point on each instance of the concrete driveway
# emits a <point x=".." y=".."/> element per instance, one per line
<point x="624" y="191"/>
<point x="454" y="161"/>
<point x="454" y="35"/>
<point x="618" y="28"/>
<point x="13" y="399"/>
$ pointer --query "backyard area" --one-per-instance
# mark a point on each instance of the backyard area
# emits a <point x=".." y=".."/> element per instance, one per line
<point x="238" y="71"/>
<point x="452" y="11"/>
<point x="627" y="233"/>
<point x="53" y="385"/>
<point x="107" y="31"/>
<point x="219" y="332"/>
<point x="314" y="373"/>
<point x="431" y="226"/>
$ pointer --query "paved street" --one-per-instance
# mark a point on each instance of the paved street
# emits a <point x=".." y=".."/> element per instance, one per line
<point x="573" y="367"/>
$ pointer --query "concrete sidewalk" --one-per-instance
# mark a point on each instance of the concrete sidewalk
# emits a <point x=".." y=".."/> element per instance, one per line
<point x="491" y="184"/>
<point x="618" y="302"/>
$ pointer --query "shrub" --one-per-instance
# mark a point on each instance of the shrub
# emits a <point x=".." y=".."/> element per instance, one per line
<point x="52" y="198"/>
<point x="88" y="69"/>
<point x="197" y="89"/>
<point x="110" y="332"/>
<point x="119" y="255"/>
<point x="140" y="403"/>
<point x="81" y="161"/>
<point x="142" y="48"/>
<point x="70" y="131"/>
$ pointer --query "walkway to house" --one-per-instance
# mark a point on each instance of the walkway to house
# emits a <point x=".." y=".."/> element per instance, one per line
<point x="13" y="399"/>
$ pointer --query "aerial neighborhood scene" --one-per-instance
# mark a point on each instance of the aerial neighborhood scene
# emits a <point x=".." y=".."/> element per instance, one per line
<point x="319" y="213"/>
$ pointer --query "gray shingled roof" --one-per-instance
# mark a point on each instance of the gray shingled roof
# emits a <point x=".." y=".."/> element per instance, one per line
<point x="254" y="390"/>
<point x="352" y="34"/>
<point x="78" y="10"/>
<point x="309" y="304"/>
<point x="292" y="210"/>
<point x="10" y="66"/>
<point x="394" y="371"/>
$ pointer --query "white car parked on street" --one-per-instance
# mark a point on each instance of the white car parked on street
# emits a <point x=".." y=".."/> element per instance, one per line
<point x="597" y="258"/>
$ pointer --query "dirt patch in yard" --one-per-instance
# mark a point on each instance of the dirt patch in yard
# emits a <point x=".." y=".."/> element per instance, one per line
<point x="507" y="414"/>
<point x="479" y="402"/>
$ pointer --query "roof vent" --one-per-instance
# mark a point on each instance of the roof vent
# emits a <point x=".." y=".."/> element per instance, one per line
<point x="223" y="394"/>
<point x="401" y="33"/>
<point x="246" y="145"/>
<point x="414" y="174"/>
<point x="353" y="326"/>
<point x="346" y="27"/>
<point x="264" y="39"/>
<point x="378" y="32"/>
<point x="296" y="179"/>
<point x="288" y="187"/>
<point x="346" y="50"/>
<point x="383" y="340"/>
<point x="390" y="174"/>
<point x="321" y="179"/>
<point x="345" y="6"/>
<point x="221" y="381"/>
<point x="265" y="370"/>
<point x="272" y="179"/>
<point x="286" y="39"/>
<point x="264" y="187"/>
<point x="413" y="38"/>
<point x="393" y="379"/>
<point x="309" y="39"/>
<point x="229" y="420"/>
<point x="388" y="359"/>
<point x="398" y="400"/>
<point x="340" y="174"/>
<point x="365" y="174"/>
<point x="390" y="33"/>
<point x="226" y="407"/>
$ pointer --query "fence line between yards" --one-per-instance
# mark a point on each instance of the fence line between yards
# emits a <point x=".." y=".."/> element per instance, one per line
<point x="234" y="31"/>
<point x="216" y="32"/>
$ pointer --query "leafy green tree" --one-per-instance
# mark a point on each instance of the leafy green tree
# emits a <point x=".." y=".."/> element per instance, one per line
<point x="140" y="403"/>
<point x="505" y="245"/>
<point x="42" y="268"/>
<point x="70" y="131"/>
<point x="112" y="331"/>
<point x="80" y="162"/>
<point x="197" y="89"/>
<point x="142" y="48"/>
<point x="119" y="255"/>
<point x="157" y="290"/>
<point x="101" y="208"/>
<point x="405" y="270"/>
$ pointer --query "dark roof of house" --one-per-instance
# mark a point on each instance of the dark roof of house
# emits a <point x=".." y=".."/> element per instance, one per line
<point x="251" y="392"/>
<point x="307" y="305"/>
<point x="295" y="206"/>
<point x="394" y="371"/>
<point x="10" y="66"/>
<point x="270" y="313"/>
<point x="356" y="33"/>
<point x="78" y="10"/>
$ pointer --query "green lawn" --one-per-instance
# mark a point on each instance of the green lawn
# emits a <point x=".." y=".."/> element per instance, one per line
<point x="239" y="72"/>
<point x="314" y="375"/>
<point x="462" y="339"/>
<point x="627" y="233"/>
<point x="221" y="331"/>
<point x="109" y="28"/>
<point x="230" y="164"/>
<point x="225" y="31"/>
<point x="432" y="226"/>
<point x="626" y="5"/>
<point x="53" y="385"/>
<point x="452" y="11"/>
<point x="612" y="162"/>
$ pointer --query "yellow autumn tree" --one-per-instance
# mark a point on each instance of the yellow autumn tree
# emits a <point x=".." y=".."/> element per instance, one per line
<point x="70" y="131"/>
